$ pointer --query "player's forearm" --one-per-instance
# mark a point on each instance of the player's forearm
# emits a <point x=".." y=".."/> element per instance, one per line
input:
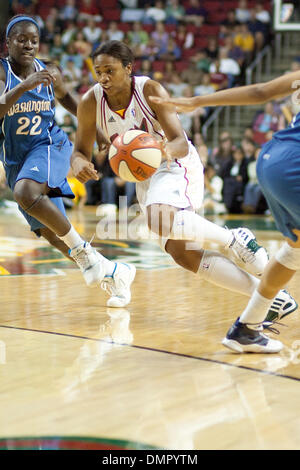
<point x="69" y="103"/>
<point x="246" y="95"/>
<point x="10" y="98"/>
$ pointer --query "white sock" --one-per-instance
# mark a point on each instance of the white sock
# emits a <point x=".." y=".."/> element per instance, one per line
<point x="256" y="310"/>
<point x="190" y="226"/>
<point x="72" y="239"/>
<point x="221" y="271"/>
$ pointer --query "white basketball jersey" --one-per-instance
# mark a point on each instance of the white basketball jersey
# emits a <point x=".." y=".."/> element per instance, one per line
<point x="181" y="185"/>
<point x="138" y="114"/>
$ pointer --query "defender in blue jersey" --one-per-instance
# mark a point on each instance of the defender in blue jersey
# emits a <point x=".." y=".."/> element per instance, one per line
<point x="36" y="153"/>
<point x="278" y="172"/>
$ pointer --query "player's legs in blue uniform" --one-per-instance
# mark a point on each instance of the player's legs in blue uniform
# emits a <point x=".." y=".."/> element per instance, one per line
<point x="278" y="171"/>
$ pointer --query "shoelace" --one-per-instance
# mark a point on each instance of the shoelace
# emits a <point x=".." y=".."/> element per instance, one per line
<point x="269" y="326"/>
<point x="109" y="285"/>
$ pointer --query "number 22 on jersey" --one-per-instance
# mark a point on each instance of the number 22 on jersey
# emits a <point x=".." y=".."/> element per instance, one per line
<point x="29" y="126"/>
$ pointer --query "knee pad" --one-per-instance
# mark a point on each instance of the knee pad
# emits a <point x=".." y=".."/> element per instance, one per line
<point x="288" y="256"/>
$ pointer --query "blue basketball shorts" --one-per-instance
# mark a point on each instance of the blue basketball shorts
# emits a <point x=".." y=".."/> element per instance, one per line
<point x="45" y="164"/>
<point x="278" y="173"/>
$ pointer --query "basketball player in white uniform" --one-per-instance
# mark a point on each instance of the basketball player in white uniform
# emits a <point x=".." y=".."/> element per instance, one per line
<point x="120" y="102"/>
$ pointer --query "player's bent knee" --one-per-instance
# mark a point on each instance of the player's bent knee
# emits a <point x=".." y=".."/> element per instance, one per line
<point x="26" y="194"/>
<point x="288" y="256"/>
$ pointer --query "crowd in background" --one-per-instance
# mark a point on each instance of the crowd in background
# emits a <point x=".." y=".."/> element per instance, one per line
<point x="193" y="47"/>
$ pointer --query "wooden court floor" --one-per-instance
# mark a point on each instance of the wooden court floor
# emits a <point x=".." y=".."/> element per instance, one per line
<point x="76" y="374"/>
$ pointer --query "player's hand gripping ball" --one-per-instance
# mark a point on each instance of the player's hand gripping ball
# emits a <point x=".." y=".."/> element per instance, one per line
<point x="135" y="155"/>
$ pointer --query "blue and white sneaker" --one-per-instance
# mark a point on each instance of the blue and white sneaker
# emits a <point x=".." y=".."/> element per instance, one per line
<point x="240" y="338"/>
<point x="283" y="305"/>
<point x="118" y="285"/>
<point x="245" y="247"/>
<point x="90" y="263"/>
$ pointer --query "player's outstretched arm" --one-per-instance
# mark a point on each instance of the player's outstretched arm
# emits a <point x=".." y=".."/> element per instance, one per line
<point x="245" y="95"/>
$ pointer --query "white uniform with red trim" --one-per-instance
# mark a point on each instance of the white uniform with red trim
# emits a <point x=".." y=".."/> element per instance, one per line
<point x="181" y="185"/>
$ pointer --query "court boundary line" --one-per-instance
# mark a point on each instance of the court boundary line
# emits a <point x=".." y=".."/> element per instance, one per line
<point x="163" y="351"/>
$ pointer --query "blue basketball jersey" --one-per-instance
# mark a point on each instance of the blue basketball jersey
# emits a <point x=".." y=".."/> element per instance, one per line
<point x="292" y="132"/>
<point x="30" y="121"/>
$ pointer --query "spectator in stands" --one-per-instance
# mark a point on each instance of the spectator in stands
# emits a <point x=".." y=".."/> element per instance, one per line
<point x="160" y="36"/>
<point x="145" y="68"/>
<point x="218" y="79"/>
<point x="171" y="52"/>
<point x="184" y="38"/>
<point x="234" y="52"/>
<point x="249" y="148"/>
<point x="228" y="67"/>
<point x="154" y="14"/>
<point x="169" y="72"/>
<point x="177" y="86"/>
<point x="88" y="10"/>
<point x="254" y="201"/>
<point x="213" y="194"/>
<point x="262" y="14"/>
<point x="248" y="133"/>
<point x="71" y="74"/>
<point x="201" y="147"/>
<point x="92" y="32"/>
<point x="69" y="33"/>
<point x="235" y="177"/>
<point x="192" y="75"/>
<point x="174" y="12"/>
<point x="212" y="49"/>
<point x="265" y="121"/>
<point x="228" y="25"/>
<point x="85" y="83"/>
<point x="68" y="125"/>
<point x="242" y="13"/>
<point x="202" y="61"/>
<point x="114" y="33"/>
<point x="223" y="154"/>
<point x="81" y="45"/>
<point x="48" y="32"/>
<point x="245" y="40"/>
<point x="259" y="30"/>
<point x="69" y="12"/>
<point x="56" y="49"/>
<point x="195" y="14"/>
<point x="149" y="50"/>
<point x="137" y="36"/>
<point x="71" y="55"/>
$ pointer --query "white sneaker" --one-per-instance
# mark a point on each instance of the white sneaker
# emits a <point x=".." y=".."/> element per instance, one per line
<point x="283" y="305"/>
<point x="118" y="285"/>
<point x="90" y="263"/>
<point x="246" y="248"/>
<point x="240" y="338"/>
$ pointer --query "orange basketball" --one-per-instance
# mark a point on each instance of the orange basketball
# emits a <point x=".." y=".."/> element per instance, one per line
<point x="134" y="155"/>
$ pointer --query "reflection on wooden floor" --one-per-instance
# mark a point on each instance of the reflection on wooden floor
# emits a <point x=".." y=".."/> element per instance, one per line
<point x="152" y="375"/>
